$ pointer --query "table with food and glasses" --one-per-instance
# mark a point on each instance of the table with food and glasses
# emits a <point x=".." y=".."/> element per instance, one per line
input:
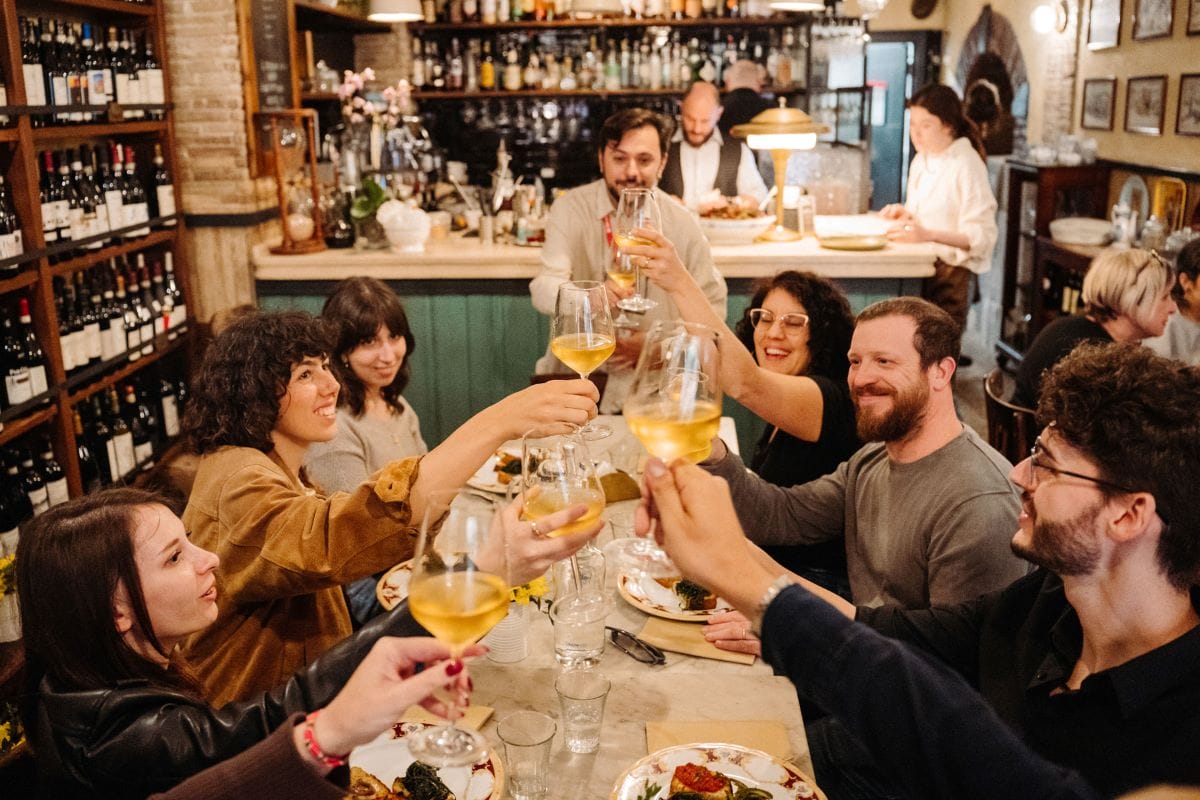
<point x="725" y="712"/>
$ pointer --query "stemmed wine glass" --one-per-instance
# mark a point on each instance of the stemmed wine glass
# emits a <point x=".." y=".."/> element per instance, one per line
<point x="674" y="408"/>
<point x="458" y="592"/>
<point x="637" y="208"/>
<point x="582" y="334"/>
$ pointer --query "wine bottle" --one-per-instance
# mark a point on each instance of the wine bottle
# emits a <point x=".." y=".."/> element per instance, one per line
<point x="16" y="499"/>
<point x="69" y="211"/>
<point x="114" y="343"/>
<point x="164" y="188"/>
<point x="89" y="467"/>
<point x="91" y="347"/>
<point x="31" y="64"/>
<point x="32" y="355"/>
<point x="169" y="399"/>
<point x="178" y="306"/>
<point x="143" y="446"/>
<point x="104" y="447"/>
<point x="122" y="437"/>
<point x="18" y="387"/>
<point x="138" y="289"/>
<point x="133" y="328"/>
<point x="33" y="484"/>
<point x="11" y="242"/>
<point x="52" y="474"/>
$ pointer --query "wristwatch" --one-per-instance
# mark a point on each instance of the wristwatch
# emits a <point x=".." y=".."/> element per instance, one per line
<point x="777" y="586"/>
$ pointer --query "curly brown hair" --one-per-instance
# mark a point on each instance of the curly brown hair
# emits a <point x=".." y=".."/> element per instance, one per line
<point x="354" y="311"/>
<point x="1135" y="416"/>
<point x="244" y="375"/>
<point x="830" y="321"/>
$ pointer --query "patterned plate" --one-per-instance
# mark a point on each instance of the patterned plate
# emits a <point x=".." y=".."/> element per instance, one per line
<point x="487" y="479"/>
<point x="647" y="594"/>
<point x="387" y="758"/>
<point x="393" y="586"/>
<point x="756" y="769"/>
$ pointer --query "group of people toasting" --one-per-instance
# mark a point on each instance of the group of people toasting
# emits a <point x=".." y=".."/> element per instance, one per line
<point x="956" y="626"/>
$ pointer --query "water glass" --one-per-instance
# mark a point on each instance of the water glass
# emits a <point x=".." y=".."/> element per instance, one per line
<point x="581" y="696"/>
<point x="579" y="629"/>
<point x="527" y="736"/>
<point x="590" y="562"/>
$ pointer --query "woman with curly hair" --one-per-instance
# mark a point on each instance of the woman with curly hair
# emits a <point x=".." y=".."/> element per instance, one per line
<point x="265" y="393"/>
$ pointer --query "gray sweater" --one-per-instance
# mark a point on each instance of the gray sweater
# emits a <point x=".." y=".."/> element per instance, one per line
<point x="936" y="530"/>
<point x="362" y="447"/>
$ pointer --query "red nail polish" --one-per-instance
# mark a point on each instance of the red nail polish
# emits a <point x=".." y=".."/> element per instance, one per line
<point x="470" y="684"/>
<point x="455" y="667"/>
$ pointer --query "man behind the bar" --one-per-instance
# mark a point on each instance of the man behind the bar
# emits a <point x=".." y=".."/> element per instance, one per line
<point x="701" y="159"/>
<point x="580" y="246"/>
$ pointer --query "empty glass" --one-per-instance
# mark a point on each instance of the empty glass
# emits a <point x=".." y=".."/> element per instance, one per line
<point x="527" y="736"/>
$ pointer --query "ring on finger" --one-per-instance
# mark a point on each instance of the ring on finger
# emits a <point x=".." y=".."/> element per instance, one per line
<point x="908" y="228"/>
<point x="533" y="526"/>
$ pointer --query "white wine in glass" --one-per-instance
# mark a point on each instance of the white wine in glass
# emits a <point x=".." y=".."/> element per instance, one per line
<point x="582" y="334"/>
<point x="622" y="272"/>
<point x="458" y="592"/>
<point x="637" y="208"/>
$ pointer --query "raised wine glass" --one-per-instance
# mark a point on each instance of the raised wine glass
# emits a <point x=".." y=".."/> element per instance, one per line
<point x="638" y="208"/>
<point x="458" y="592"/>
<point x="674" y="409"/>
<point x="582" y="334"/>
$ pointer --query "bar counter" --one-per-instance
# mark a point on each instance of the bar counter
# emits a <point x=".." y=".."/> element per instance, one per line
<point x="478" y="335"/>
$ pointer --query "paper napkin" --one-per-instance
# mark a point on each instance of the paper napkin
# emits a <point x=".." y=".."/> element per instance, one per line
<point x="687" y="638"/>
<point x="474" y="717"/>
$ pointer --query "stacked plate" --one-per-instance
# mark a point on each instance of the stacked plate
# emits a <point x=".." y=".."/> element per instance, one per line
<point x="1081" y="230"/>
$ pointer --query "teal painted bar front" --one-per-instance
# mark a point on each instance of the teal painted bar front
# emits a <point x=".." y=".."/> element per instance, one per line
<point x="477" y="341"/>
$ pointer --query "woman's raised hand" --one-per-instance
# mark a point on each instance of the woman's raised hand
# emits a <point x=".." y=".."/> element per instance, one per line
<point x="660" y="262"/>
<point x="553" y="405"/>
<point x="530" y="552"/>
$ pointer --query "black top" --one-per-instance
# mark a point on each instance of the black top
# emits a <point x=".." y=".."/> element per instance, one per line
<point x="728" y="164"/>
<point x="921" y="721"/>
<point x="741" y="105"/>
<point x="784" y="460"/>
<point x="1051" y="345"/>
<point x="1130" y="726"/>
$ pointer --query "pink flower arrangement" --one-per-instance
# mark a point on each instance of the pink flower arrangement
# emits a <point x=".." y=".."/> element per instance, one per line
<point x="385" y="107"/>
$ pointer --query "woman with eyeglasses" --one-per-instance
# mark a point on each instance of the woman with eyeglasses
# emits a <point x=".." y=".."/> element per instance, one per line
<point x="1126" y="298"/>
<point x="1181" y="339"/>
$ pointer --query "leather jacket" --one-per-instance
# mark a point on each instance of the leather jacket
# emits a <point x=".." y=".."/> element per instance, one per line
<point x="135" y="738"/>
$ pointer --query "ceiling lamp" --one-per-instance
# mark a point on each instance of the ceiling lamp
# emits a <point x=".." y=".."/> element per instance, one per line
<point x="780" y="130"/>
<point x="395" y="11"/>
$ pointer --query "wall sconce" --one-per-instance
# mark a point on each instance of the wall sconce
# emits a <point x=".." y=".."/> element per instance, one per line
<point x="395" y="11"/>
<point x="1050" y="17"/>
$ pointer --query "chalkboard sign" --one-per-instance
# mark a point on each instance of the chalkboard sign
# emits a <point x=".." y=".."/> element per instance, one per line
<point x="272" y="54"/>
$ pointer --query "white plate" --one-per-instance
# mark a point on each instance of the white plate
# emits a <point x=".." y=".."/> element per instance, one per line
<point x="387" y="758"/>
<point x="487" y="479"/>
<point x="393" y="586"/>
<point x="647" y="594"/>
<point x="1134" y="191"/>
<point x="754" y="768"/>
<point x="735" y="230"/>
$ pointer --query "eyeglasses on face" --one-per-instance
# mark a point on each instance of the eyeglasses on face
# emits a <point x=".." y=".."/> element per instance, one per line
<point x="635" y="648"/>
<point x="793" y="322"/>
<point x="1039" y="470"/>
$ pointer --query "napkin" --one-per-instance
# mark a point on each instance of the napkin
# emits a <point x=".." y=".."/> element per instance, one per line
<point x="687" y="638"/>
<point x="474" y="717"/>
<point x="769" y="736"/>
<point x="619" y="486"/>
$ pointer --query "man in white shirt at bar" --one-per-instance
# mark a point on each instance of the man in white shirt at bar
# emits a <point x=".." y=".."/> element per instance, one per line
<point x="701" y="159"/>
<point x="579" y="240"/>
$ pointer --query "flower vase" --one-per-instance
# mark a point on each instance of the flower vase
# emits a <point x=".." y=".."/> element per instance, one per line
<point x="508" y="641"/>
<point x="10" y="618"/>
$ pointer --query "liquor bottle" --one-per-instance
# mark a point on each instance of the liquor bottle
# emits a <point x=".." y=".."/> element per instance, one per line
<point x="31" y="350"/>
<point x="122" y="437"/>
<point x="76" y="78"/>
<point x="143" y="445"/>
<point x="709" y="8"/>
<point x="487" y="69"/>
<point x="169" y="399"/>
<point x="52" y="474"/>
<point x="138" y="287"/>
<point x="454" y="74"/>
<point x="178" y="307"/>
<point x="103" y="446"/>
<point x="512" y="70"/>
<point x="89" y="466"/>
<point x="11" y="242"/>
<point x="16" y="499"/>
<point x="33" y="484"/>
<point x="164" y="188"/>
<point x="31" y="65"/>
<point x="418" y="65"/>
<point x="133" y="328"/>
<point x="18" y="387"/>
<point x="612" y="69"/>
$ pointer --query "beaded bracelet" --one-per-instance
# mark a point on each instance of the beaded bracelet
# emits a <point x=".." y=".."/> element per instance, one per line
<point x="314" y="749"/>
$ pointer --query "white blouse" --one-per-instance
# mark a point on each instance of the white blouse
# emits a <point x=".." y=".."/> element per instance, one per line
<point x="950" y="191"/>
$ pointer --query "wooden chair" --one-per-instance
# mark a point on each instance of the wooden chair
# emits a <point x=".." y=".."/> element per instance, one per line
<point x="1011" y="428"/>
<point x="599" y="379"/>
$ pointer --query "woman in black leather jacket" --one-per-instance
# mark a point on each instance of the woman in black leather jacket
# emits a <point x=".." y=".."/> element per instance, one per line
<point x="110" y="585"/>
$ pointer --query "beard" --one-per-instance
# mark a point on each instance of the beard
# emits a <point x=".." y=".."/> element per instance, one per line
<point x="615" y="187"/>
<point x="1066" y="548"/>
<point x="702" y="141"/>
<point x="908" y="409"/>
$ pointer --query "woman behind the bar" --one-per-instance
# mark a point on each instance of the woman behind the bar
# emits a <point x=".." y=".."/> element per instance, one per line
<point x="372" y="343"/>
<point x="110" y="587"/>
<point x="265" y="393"/>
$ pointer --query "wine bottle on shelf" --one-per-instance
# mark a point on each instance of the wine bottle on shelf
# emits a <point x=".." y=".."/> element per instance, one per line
<point x="92" y="347"/>
<point x="31" y="64"/>
<point x="168" y="396"/>
<point x="77" y="84"/>
<point x="33" y="484"/>
<point x="52" y="474"/>
<point x="75" y="325"/>
<point x="113" y="341"/>
<point x="71" y="210"/>
<point x="56" y="72"/>
<point x="49" y="198"/>
<point x="138" y="287"/>
<point x="111" y="186"/>
<point x="164" y="188"/>
<point x="91" y="175"/>
<point x="31" y="350"/>
<point x="122" y="437"/>
<point x="12" y="244"/>
<point x="89" y="466"/>
<point x="143" y="445"/>
<point x="178" y="312"/>
<point x="66" y="345"/>
<point x="18" y="385"/>
<point x="87" y="222"/>
<point x="134" y="194"/>
<point x="103" y="446"/>
<point x="133" y="328"/>
<point x="14" y="490"/>
<point x="10" y="524"/>
<point x="96" y="69"/>
<point x="150" y="75"/>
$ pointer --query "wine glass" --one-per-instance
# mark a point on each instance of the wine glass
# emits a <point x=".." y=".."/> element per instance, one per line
<point x="637" y="208"/>
<point x="674" y="409"/>
<point x="458" y="592"/>
<point x="557" y="472"/>
<point x="582" y="334"/>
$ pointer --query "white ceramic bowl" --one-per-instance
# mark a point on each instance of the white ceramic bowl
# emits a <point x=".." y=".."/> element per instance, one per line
<point x="735" y="231"/>
<point x="1081" y="230"/>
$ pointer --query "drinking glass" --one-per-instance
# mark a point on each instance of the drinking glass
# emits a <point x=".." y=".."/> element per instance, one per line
<point x="637" y="208"/>
<point x="674" y="409"/>
<point x="582" y="335"/>
<point x="459" y="590"/>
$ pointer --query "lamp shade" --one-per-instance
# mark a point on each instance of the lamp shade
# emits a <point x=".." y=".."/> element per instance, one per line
<point x="780" y="128"/>
<point x="396" y="10"/>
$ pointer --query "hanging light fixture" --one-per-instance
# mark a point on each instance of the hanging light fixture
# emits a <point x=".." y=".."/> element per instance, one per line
<point x="395" y="11"/>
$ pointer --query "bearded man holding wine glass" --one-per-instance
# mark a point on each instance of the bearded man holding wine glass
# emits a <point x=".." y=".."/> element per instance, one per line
<point x="581" y="242"/>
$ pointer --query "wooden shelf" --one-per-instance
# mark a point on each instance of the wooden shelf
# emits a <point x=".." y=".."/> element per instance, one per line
<point x="112" y="251"/>
<point x="22" y="424"/>
<point x="163" y="347"/>
<point x="318" y="97"/>
<point x="111" y="6"/>
<point x="601" y="22"/>
<point x="55" y="133"/>
<point x="9" y="134"/>
<point x="18" y="282"/>
<point x="311" y="15"/>
<point x="443" y="94"/>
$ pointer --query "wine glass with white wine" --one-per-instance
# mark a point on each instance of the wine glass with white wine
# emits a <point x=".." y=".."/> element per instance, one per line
<point x="582" y="334"/>
<point x="638" y="208"/>
<point x="674" y="409"/>
<point x="458" y="592"/>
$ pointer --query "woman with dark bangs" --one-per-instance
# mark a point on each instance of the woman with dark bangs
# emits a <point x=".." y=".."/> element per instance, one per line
<point x="264" y="393"/>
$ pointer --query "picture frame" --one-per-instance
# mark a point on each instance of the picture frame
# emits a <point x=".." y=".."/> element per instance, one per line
<point x="1099" y="104"/>
<point x="1193" y="20"/>
<point x="1187" y="116"/>
<point x="1153" y="19"/>
<point x="1145" y="98"/>
<point x="1104" y="24"/>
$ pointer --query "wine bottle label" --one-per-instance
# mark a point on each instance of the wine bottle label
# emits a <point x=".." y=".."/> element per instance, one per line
<point x="134" y="343"/>
<point x="147" y="338"/>
<point x="114" y="469"/>
<point x="62" y="216"/>
<point x="75" y="222"/>
<point x="107" y="348"/>
<point x="18" y="386"/>
<point x="56" y="492"/>
<point x="124" y="93"/>
<point x="170" y="410"/>
<point x="8" y="245"/>
<point x="68" y="353"/>
<point x="142" y="454"/>
<point x="116" y="211"/>
<point x="166" y="200"/>
<point x="35" y="84"/>
<point x="152" y="86"/>
<point x="98" y="87"/>
<point x="103" y="224"/>
<point x="58" y="88"/>
<point x="49" y="222"/>
<point x="79" y="342"/>
<point x="37" y="380"/>
<point x="126" y="460"/>
<point x="8" y="541"/>
<point x="95" y="344"/>
<point x="39" y="500"/>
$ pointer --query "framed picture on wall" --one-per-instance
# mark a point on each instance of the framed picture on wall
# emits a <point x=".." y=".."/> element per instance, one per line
<point x="1104" y="24"/>
<point x="1099" y="100"/>
<point x="1144" y="101"/>
<point x="1193" y="21"/>
<point x="1152" y="19"/>
<point x="1187" y="120"/>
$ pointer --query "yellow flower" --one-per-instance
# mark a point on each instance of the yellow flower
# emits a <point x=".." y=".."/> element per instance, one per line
<point x="7" y="568"/>
<point x="533" y="590"/>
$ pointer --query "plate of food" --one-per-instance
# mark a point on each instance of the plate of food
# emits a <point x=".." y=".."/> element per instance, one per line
<point x="497" y="472"/>
<point x="855" y="241"/>
<point x="384" y="769"/>
<point x="670" y="598"/>
<point x="393" y="586"/>
<point x="732" y="219"/>
<point x="714" y="772"/>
